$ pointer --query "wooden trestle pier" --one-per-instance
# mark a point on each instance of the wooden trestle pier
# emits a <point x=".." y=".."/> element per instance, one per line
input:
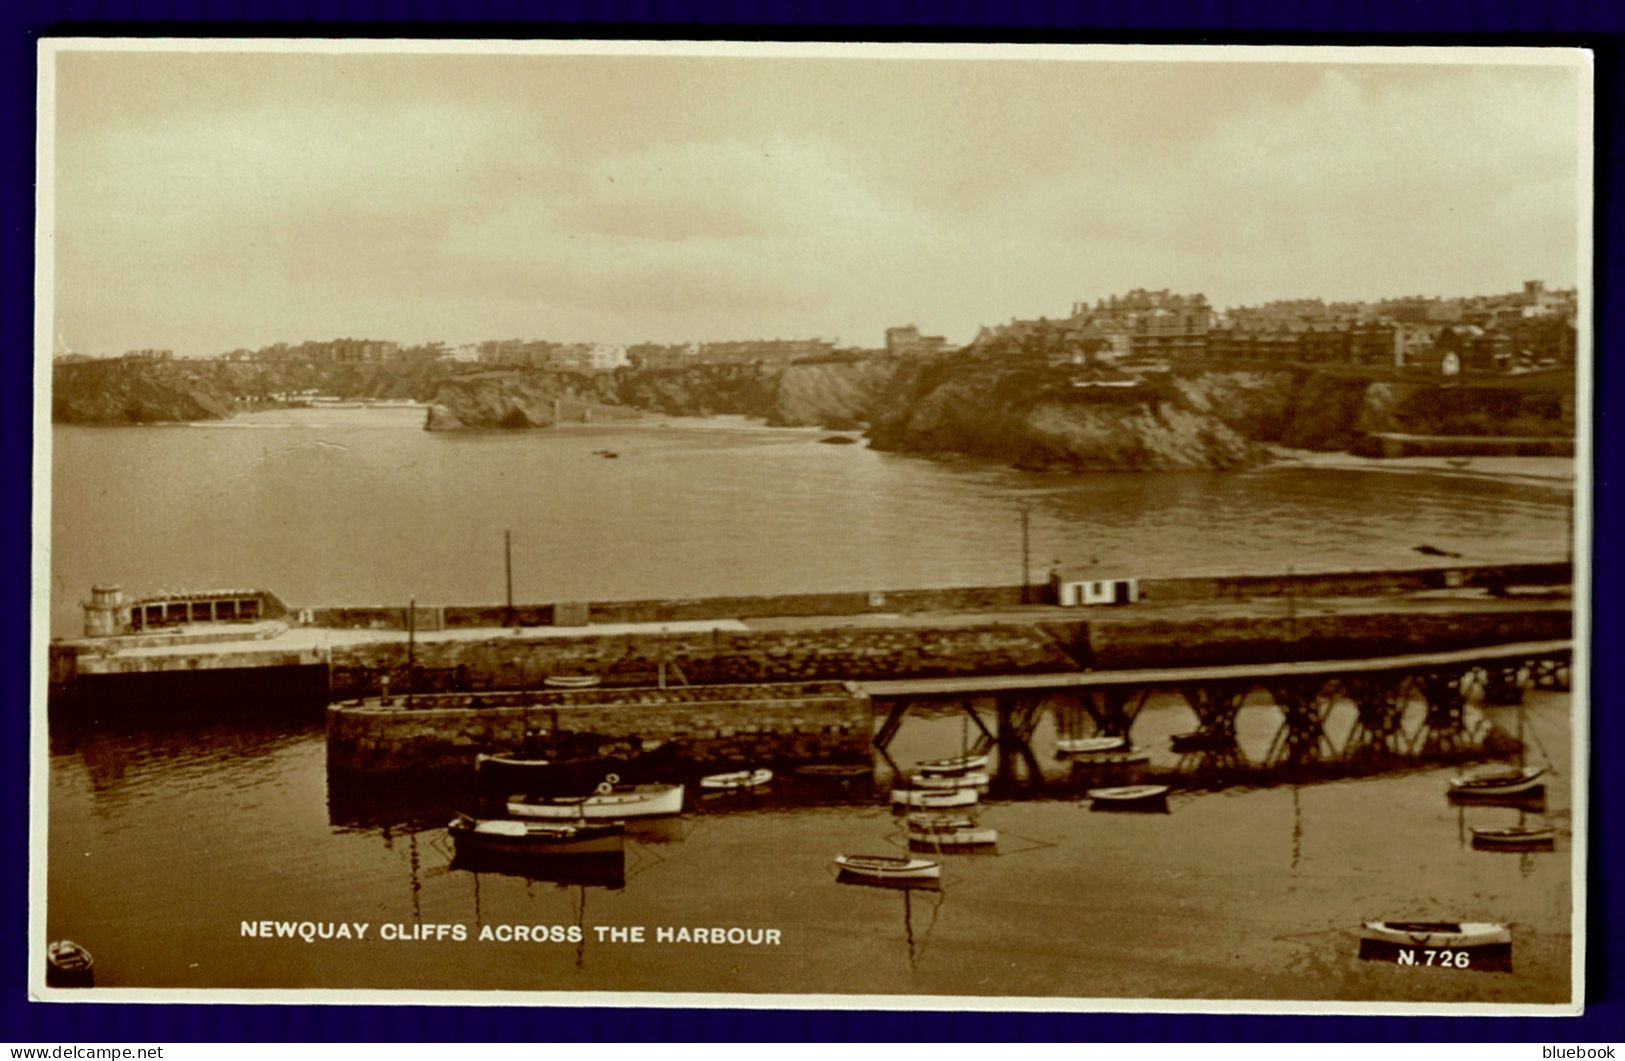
<point x="1380" y="689"/>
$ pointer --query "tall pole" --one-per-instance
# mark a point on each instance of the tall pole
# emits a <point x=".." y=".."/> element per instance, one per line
<point x="1292" y="602"/>
<point x="411" y="648"/>
<point x="507" y="554"/>
<point x="1026" y="552"/>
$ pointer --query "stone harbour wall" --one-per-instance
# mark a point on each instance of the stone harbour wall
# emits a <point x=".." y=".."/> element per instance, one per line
<point x="715" y="658"/>
<point x="761" y="724"/>
<point x="952" y="599"/>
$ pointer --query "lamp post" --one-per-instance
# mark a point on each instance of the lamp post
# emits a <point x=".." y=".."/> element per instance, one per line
<point x="1026" y="552"/>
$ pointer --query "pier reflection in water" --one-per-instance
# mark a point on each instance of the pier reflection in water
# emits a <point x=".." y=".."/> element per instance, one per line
<point x="163" y="843"/>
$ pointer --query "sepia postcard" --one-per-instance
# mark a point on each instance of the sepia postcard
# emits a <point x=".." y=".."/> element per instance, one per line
<point x="812" y="525"/>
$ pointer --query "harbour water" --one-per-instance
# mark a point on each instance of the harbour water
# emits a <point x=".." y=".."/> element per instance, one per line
<point x="361" y="506"/>
<point x="163" y="839"/>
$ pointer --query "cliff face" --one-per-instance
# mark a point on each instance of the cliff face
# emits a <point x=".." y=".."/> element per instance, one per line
<point x="998" y="407"/>
<point x="115" y="392"/>
<point x="1036" y="418"/>
<point x="512" y="400"/>
<point x="834" y="394"/>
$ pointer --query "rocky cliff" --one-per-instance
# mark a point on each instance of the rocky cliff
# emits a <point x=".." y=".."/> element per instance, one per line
<point x="976" y="403"/>
<point x="833" y="393"/>
<point x="118" y="392"/>
<point x="1043" y="418"/>
<point x="514" y="399"/>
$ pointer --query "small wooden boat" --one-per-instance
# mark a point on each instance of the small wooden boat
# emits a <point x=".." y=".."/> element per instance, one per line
<point x="571" y="681"/>
<point x="68" y="965"/>
<point x="1517" y="781"/>
<point x="964" y="833"/>
<point x="1152" y="798"/>
<point x="513" y="836"/>
<point x="933" y="799"/>
<point x="941" y="821"/>
<point x="737" y="780"/>
<point x="950" y="781"/>
<point x="1197" y="741"/>
<point x="959" y="764"/>
<point x="630" y="801"/>
<point x="1516" y="838"/>
<point x="1479" y="945"/>
<point x="570" y="775"/>
<point x="839" y="771"/>
<point x="1090" y="745"/>
<point x="889" y="867"/>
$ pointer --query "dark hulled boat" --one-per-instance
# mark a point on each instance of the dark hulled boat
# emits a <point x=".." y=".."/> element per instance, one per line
<point x="566" y="776"/>
<point x="507" y="836"/>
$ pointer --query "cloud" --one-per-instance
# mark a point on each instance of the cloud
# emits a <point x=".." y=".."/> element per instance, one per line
<point x="205" y="203"/>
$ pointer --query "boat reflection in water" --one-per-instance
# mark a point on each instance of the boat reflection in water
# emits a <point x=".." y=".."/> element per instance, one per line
<point x="587" y="869"/>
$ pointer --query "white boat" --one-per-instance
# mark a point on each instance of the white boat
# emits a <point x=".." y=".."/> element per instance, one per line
<point x="1090" y="745"/>
<point x="571" y="681"/>
<point x="1130" y="797"/>
<point x="889" y="867"/>
<point x="963" y="833"/>
<point x="1504" y="782"/>
<point x="737" y="780"/>
<point x="950" y="781"/>
<point x="1437" y="933"/>
<point x="1514" y="781"/>
<point x="1516" y="838"/>
<point x="1481" y="945"/>
<point x="934" y="799"/>
<point x="942" y="821"/>
<point x="959" y="764"/>
<point x="68" y="965"/>
<point x="631" y="801"/>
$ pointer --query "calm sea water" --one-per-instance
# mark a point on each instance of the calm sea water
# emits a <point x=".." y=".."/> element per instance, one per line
<point x="360" y="506"/>
<point x="164" y="838"/>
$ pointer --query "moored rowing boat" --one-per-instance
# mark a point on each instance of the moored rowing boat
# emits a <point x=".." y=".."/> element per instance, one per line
<point x="1090" y="745"/>
<point x="513" y="836"/>
<point x="737" y="780"/>
<point x="634" y="801"/>
<point x="1130" y="797"/>
<point x="889" y="867"/>
<point x="958" y="764"/>
<point x="1480" y="945"/>
<point x="949" y="781"/>
<point x="1516" y="838"/>
<point x="933" y="799"/>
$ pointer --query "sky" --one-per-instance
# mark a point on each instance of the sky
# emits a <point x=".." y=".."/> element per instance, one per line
<point x="209" y="201"/>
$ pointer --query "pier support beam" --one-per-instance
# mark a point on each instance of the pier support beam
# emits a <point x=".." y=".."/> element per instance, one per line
<point x="1018" y="718"/>
<point x="1504" y="685"/>
<point x="1213" y="748"/>
<point x="1302" y="737"/>
<point x="1549" y="674"/>
<point x="1378" y="731"/>
<point x="1114" y="709"/>
<point x="1444" y="729"/>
